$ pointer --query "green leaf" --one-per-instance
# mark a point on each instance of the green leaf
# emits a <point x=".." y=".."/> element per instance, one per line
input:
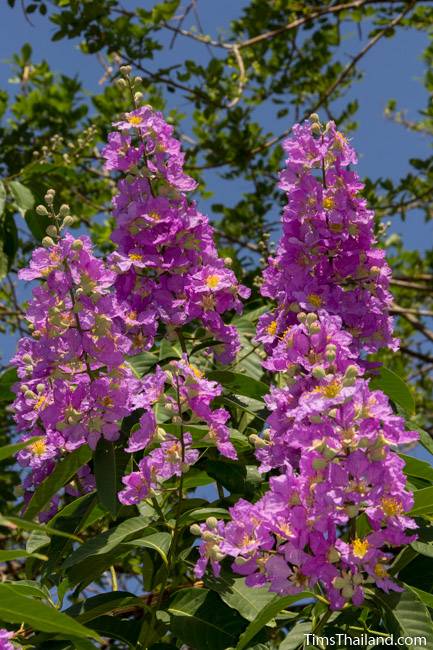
<point x="417" y="468"/>
<point x="7" y="379"/>
<point x="15" y="554"/>
<point x="37" y="539"/>
<point x="267" y="614"/>
<point x="423" y="502"/>
<point x="107" y="603"/>
<point x="200" y="619"/>
<point x="16" y="608"/>
<point x="98" y="553"/>
<point x="393" y="386"/>
<point x="30" y="588"/>
<point x="11" y="450"/>
<point x="239" y="384"/>
<point x="62" y="474"/>
<point x="109" y="465"/>
<point x="296" y="636"/>
<point x="23" y="197"/>
<point x="233" y="591"/>
<point x="201" y="514"/>
<point x="2" y="198"/>
<point x="406" y="615"/>
<point x="159" y="542"/>
<point x="425" y="596"/>
<point x="23" y="524"/>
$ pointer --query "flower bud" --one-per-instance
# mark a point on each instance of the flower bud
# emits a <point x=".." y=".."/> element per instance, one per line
<point x="42" y="211"/>
<point x="77" y="245"/>
<point x="125" y="70"/>
<point x="351" y="510"/>
<point x="51" y="231"/>
<point x="64" y="210"/>
<point x="40" y="388"/>
<point x="137" y="96"/>
<point x="316" y="129"/>
<point x="319" y="372"/>
<point x="68" y="221"/>
<point x="314" y="117"/>
<point x="311" y="318"/>
<point x="27" y="358"/>
<point x="138" y="81"/>
<point x="339" y="583"/>
<point x="333" y="555"/>
<point x="195" y="529"/>
<point x="212" y="522"/>
<point x="121" y="83"/>
<point x="258" y="442"/>
<point x="47" y="242"/>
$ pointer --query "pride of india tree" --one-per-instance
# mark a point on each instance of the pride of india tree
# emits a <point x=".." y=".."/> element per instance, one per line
<point x="183" y="486"/>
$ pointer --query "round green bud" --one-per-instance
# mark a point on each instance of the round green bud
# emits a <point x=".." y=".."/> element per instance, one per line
<point x="195" y="529"/>
<point x="42" y="211"/>
<point x="77" y="245"/>
<point x="51" y="231"/>
<point x="212" y="522"/>
<point x="125" y="70"/>
<point x="47" y="242"/>
<point x="64" y="210"/>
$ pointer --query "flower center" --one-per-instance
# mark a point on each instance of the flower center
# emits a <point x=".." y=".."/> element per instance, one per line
<point x="272" y="328"/>
<point x="360" y="547"/>
<point x="213" y="281"/>
<point x="330" y="390"/>
<point x="135" y="257"/>
<point x="391" y="507"/>
<point x="38" y="448"/>
<point x="315" y="300"/>
<point x="328" y="203"/>
<point x="135" y="120"/>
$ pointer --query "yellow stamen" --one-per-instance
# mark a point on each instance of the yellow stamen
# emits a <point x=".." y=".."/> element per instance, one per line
<point x="328" y="203"/>
<point x="198" y="373"/>
<point x="213" y="281"/>
<point x="38" y="447"/>
<point x="41" y="401"/>
<point x="107" y="401"/>
<point x="360" y="547"/>
<point x="391" y="507"/>
<point x="135" y="120"/>
<point x="315" y="300"/>
<point x="154" y="215"/>
<point x="135" y="257"/>
<point x="380" y="570"/>
<point x="329" y="390"/>
<point x="272" y="328"/>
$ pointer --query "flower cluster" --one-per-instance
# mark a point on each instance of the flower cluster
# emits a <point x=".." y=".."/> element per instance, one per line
<point x="168" y="267"/>
<point x="74" y="387"/>
<point x="330" y="440"/>
<point x="187" y="392"/>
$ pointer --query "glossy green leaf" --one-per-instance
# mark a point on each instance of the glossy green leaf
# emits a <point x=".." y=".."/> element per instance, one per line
<point x="23" y="524"/>
<point x="16" y="608"/>
<point x="296" y="636"/>
<point x="11" y="450"/>
<point x="115" y="602"/>
<point x="239" y="384"/>
<point x="159" y="542"/>
<point x="417" y="468"/>
<point x="22" y="195"/>
<point x="423" y="502"/>
<point x="406" y="615"/>
<point x="62" y="474"/>
<point x="201" y="514"/>
<point x="200" y="619"/>
<point x="16" y="554"/>
<point x="7" y="379"/>
<point x="274" y="607"/>
<point x="396" y="389"/>
<point x="109" y="465"/>
<point x="248" y="601"/>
